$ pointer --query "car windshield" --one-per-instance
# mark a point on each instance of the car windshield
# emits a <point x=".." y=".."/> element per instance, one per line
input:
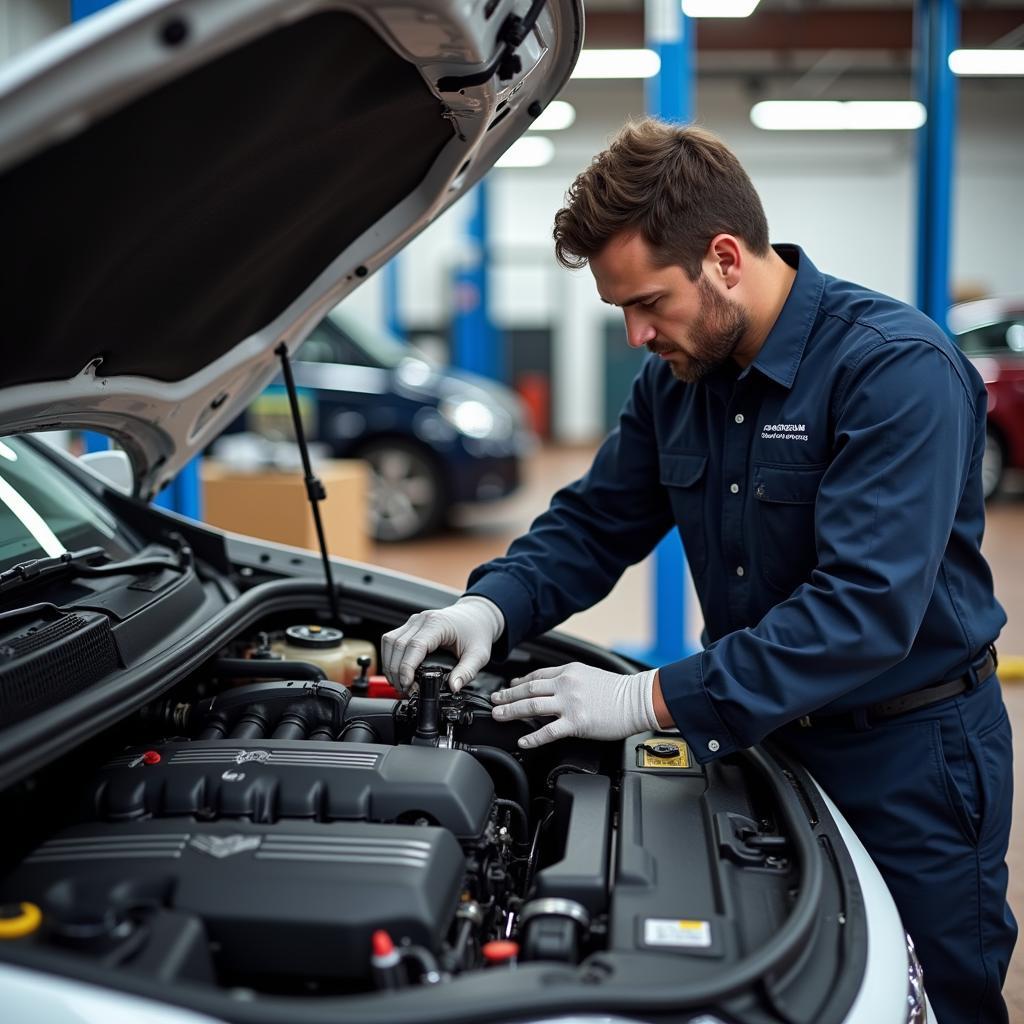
<point x="43" y="512"/>
<point x="382" y="347"/>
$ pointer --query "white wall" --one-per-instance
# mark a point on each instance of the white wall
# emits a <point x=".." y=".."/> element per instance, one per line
<point x="850" y="198"/>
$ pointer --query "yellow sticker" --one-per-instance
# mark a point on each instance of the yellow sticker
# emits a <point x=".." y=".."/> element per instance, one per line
<point x="664" y="752"/>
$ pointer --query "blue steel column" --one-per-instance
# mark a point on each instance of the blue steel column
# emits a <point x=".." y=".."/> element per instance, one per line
<point x="474" y="340"/>
<point x="669" y="95"/>
<point x="392" y="313"/>
<point x="184" y="493"/>
<point x="83" y="8"/>
<point x="672" y="36"/>
<point x="936" y="32"/>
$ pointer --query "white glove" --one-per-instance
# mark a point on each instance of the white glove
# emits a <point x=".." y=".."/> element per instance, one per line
<point x="468" y="628"/>
<point x="586" y="701"/>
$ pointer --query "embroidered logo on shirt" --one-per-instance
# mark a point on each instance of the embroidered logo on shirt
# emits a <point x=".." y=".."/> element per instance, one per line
<point x="784" y="432"/>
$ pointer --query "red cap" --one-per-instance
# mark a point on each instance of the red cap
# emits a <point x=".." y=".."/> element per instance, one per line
<point x="382" y="944"/>
<point x="151" y="757"/>
<point x="381" y="688"/>
<point x="500" y="951"/>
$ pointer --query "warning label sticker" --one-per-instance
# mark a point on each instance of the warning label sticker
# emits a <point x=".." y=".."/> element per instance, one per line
<point x="663" y="931"/>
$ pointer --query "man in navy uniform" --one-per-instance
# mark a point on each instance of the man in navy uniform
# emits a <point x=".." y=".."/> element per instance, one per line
<point x="818" y="446"/>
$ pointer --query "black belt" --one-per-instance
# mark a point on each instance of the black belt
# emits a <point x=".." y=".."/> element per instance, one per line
<point x="980" y="671"/>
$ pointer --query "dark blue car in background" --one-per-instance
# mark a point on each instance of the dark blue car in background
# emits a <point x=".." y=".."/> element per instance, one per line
<point x="433" y="437"/>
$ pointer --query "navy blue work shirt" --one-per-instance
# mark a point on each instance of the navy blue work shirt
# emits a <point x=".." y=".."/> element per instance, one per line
<point x="829" y="500"/>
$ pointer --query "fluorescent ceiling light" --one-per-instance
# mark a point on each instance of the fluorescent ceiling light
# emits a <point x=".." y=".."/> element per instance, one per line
<point x="529" y="151"/>
<point x="719" y="8"/>
<point x="838" y="115"/>
<point x="991" y="63"/>
<point x="617" y="64"/>
<point x="556" y="115"/>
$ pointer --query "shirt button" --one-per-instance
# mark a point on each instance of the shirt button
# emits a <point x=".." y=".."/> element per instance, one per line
<point x="739" y="570"/>
<point x="735" y="488"/>
<point x="739" y="417"/>
<point x="713" y="746"/>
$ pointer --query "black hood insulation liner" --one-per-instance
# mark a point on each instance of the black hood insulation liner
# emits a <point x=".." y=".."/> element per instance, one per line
<point x="206" y="207"/>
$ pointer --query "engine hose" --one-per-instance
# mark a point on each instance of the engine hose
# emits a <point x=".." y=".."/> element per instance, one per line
<point x="531" y="860"/>
<point x="260" y="668"/>
<point x="496" y="757"/>
<point x="358" y="731"/>
<point x="292" y="725"/>
<point x="251" y="725"/>
<point x="461" y="948"/>
<point x="430" y="969"/>
<point x="519" y="814"/>
<point x="216" y="727"/>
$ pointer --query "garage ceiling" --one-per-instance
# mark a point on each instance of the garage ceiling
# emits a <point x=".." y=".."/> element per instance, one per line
<point x="863" y="37"/>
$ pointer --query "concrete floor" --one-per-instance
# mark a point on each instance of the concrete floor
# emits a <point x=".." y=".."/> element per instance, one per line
<point x="622" y="618"/>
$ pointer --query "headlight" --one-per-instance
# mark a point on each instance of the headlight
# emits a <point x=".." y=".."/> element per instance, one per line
<point x="917" y="1007"/>
<point x="469" y="417"/>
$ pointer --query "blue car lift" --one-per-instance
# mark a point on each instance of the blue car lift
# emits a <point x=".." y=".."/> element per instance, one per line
<point x="669" y="95"/>
<point x="475" y="344"/>
<point x="936" y="34"/>
<point x="392" y="311"/>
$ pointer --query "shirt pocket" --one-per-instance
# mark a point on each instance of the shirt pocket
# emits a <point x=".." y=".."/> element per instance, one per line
<point x="682" y="475"/>
<point x="785" y="523"/>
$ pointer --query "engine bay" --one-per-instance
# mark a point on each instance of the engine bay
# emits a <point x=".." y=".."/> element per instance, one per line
<point x="263" y="831"/>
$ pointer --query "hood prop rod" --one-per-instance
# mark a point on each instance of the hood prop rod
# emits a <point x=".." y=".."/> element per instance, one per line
<point x="314" y="486"/>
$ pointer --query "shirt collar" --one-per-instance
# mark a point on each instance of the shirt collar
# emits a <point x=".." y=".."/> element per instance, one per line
<point x="780" y="355"/>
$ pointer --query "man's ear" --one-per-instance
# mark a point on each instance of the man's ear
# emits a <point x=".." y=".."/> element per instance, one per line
<point x="723" y="260"/>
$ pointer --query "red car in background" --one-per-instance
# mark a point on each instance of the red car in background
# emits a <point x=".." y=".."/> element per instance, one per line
<point x="991" y="332"/>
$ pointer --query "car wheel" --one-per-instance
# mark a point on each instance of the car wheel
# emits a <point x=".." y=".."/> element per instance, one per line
<point x="407" y="496"/>
<point x="992" y="465"/>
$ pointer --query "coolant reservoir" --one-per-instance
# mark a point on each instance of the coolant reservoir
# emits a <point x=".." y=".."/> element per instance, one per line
<point x="329" y="648"/>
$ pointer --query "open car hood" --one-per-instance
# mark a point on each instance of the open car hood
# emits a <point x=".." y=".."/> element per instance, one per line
<point x="187" y="184"/>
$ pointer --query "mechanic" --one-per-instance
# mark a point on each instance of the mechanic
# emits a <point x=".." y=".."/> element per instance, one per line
<point x="818" y="446"/>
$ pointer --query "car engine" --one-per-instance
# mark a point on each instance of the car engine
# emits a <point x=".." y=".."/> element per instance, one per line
<point x="279" y="832"/>
<point x="280" y="835"/>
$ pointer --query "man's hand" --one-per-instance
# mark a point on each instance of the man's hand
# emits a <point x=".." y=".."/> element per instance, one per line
<point x="585" y="701"/>
<point x="468" y="628"/>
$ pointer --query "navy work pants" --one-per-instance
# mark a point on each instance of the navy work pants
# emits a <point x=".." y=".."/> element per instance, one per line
<point x="929" y="795"/>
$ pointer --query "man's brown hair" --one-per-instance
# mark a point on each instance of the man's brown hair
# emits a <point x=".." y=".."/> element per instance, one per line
<point x="677" y="185"/>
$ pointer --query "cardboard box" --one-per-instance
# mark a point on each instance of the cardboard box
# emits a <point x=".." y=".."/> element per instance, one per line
<point x="272" y="505"/>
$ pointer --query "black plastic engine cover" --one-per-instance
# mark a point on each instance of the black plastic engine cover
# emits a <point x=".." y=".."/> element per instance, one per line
<point x="298" y="900"/>
<point x="284" y="780"/>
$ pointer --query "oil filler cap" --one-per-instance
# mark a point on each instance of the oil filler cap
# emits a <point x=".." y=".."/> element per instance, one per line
<point x="665" y="753"/>
<point x="19" y="919"/>
<point x="663" y="749"/>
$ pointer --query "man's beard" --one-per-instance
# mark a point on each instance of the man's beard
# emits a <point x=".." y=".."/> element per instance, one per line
<point x="714" y="336"/>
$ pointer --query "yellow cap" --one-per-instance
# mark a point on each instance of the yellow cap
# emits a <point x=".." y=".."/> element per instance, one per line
<point x="23" y="921"/>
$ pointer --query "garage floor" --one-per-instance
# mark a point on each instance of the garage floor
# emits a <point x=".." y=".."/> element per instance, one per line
<point x="622" y="618"/>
